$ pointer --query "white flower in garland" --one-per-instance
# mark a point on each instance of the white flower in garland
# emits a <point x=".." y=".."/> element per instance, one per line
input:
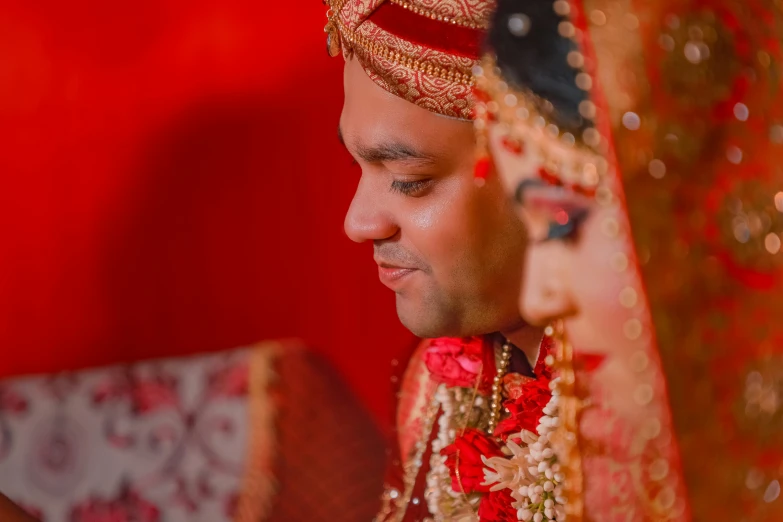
<point x="511" y="473"/>
<point x="443" y="502"/>
<point x="532" y="472"/>
<point x="438" y="469"/>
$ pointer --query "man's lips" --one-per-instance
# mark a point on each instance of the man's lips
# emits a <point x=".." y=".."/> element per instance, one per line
<point x="390" y="274"/>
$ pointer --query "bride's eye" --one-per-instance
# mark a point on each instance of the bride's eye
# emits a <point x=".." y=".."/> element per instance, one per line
<point x="565" y="225"/>
<point x="551" y="212"/>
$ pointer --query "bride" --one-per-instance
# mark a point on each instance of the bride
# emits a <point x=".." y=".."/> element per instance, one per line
<point x="642" y="147"/>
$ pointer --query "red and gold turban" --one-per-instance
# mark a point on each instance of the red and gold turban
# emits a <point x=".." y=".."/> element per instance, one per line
<point x="420" y="50"/>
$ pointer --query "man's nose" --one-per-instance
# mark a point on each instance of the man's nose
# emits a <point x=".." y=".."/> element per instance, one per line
<point x="367" y="218"/>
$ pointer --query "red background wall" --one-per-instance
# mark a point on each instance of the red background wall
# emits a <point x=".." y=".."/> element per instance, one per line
<point x="172" y="183"/>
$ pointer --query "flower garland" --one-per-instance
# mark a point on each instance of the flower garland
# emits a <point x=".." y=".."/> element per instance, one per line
<point x="510" y="475"/>
<point x="532" y="473"/>
<point x="443" y="495"/>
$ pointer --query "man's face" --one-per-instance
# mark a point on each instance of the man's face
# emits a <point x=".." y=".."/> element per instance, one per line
<point x="451" y="251"/>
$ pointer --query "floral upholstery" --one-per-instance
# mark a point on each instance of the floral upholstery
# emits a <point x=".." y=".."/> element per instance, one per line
<point x="207" y="438"/>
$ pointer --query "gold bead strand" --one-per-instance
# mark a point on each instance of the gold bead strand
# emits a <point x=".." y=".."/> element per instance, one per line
<point x="497" y="387"/>
<point x="565" y="439"/>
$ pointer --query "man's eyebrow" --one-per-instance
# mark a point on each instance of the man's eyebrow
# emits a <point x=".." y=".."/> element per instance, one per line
<point x="387" y="152"/>
<point x="392" y="151"/>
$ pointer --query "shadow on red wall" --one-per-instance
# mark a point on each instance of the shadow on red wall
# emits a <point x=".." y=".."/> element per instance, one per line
<point x="173" y="184"/>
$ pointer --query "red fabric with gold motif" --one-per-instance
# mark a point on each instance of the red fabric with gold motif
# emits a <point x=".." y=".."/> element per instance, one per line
<point x="420" y="50"/>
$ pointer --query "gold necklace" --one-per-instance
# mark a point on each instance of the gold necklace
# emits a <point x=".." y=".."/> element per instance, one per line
<point x="497" y="387"/>
<point x="413" y="468"/>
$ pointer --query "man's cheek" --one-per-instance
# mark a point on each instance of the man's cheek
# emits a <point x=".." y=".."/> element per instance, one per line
<point x="438" y="212"/>
<point x="426" y="219"/>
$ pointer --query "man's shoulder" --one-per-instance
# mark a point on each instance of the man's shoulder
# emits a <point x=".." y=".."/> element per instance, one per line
<point x="415" y="394"/>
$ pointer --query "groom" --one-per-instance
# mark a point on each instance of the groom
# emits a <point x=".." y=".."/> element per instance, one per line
<point x="450" y="248"/>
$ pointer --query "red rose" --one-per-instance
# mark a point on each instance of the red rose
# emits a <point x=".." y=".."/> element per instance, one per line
<point x="468" y="449"/>
<point x="526" y="410"/>
<point x="455" y="361"/>
<point x="497" y="507"/>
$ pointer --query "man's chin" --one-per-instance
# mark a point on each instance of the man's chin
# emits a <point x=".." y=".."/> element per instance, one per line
<point x="424" y="320"/>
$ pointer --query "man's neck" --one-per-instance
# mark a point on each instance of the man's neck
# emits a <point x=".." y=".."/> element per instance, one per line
<point x="528" y="339"/>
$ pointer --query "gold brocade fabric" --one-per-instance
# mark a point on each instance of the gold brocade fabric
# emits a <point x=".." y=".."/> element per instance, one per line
<point x="435" y="93"/>
<point x="428" y="72"/>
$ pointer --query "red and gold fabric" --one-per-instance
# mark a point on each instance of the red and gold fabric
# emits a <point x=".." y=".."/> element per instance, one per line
<point x="420" y="50"/>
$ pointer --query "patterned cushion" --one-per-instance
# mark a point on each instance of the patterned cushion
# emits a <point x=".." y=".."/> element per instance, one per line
<point x="260" y="433"/>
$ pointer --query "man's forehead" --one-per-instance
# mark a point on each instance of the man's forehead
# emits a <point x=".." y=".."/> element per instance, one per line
<point x="396" y="136"/>
<point x="387" y="147"/>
